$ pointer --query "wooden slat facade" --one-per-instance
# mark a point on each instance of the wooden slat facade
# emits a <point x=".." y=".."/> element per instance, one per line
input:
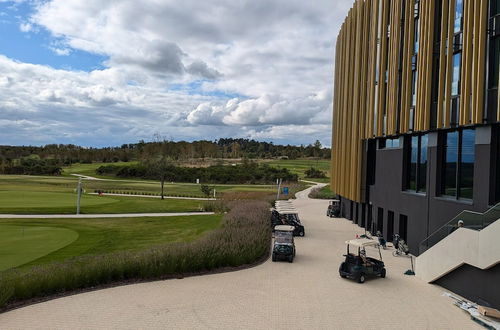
<point x="374" y="69"/>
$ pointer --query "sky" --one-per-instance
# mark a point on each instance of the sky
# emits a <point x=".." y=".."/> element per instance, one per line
<point x="103" y="73"/>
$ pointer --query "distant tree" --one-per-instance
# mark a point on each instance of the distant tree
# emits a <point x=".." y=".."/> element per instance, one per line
<point x="206" y="190"/>
<point x="159" y="168"/>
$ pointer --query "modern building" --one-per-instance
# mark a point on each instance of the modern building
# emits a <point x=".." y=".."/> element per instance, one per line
<point x="416" y="121"/>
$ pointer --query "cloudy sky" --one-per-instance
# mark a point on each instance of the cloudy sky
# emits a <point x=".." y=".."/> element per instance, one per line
<point x="102" y="73"/>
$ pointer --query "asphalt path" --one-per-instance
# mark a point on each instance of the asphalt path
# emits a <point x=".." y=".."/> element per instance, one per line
<point x="305" y="294"/>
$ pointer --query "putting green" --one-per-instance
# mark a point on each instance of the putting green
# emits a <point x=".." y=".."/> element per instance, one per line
<point x="22" y="244"/>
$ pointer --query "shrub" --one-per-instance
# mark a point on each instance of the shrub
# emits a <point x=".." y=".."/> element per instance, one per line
<point x="243" y="237"/>
<point x="322" y="193"/>
<point x="314" y="173"/>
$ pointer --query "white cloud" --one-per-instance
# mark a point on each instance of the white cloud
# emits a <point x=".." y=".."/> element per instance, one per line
<point x="275" y="55"/>
<point x="25" y="27"/>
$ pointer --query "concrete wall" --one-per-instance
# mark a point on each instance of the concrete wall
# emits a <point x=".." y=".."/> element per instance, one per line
<point x="480" y="249"/>
<point x="477" y="285"/>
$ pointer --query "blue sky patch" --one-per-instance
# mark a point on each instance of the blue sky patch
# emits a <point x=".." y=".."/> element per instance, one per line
<point x="195" y="88"/>
<point x="37" y="46"/>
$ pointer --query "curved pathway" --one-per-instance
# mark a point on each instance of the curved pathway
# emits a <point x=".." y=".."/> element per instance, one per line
<point x="308" y="294"/>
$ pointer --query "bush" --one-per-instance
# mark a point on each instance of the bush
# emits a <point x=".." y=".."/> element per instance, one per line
<point x="322" y="193"/>
<point x="243" y="238"/>
<point x="314" y="173"/>
<point x="247" y="172"/>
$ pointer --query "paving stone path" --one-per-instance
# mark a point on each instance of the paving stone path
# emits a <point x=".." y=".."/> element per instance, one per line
<point x="307" y="294"/>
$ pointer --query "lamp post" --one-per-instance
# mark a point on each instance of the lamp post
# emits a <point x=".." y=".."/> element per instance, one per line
<point x="79" y="195"/>
<point x="279" y="187"/>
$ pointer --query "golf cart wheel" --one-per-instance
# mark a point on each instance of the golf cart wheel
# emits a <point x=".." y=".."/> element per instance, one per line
<point x="395" y="253"/>
<point x="301" y="234"/>
<point x="382" y="273"/>
<point x="274" y="257"/>
<point x="290" y="259"/>
<point x="343" y="276"/>
<point x="361" y="278"/>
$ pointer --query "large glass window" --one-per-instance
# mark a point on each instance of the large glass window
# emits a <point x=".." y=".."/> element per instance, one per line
<point x="455" y="89"/>
<point x="413" y="163"/>
<point x="458" y="163"/>
<point x="417" y="163"/>
<point x="459" y="11"/>
<point x="450" y="164"/>
<point x="422" y="169"/>
<point x="467" y="163"/>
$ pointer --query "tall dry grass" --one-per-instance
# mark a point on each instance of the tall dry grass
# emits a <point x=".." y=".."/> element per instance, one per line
<point x="243" y="238"/>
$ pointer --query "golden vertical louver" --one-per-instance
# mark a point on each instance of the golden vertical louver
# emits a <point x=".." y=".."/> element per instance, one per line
<point x="374" y="72"/>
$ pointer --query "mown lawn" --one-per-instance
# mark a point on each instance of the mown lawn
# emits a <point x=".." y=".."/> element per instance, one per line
<point x="300" y="166"/>
<point x="68" y="184"/>
<point x="42" y="202"/>
<point x="28" y="242"/>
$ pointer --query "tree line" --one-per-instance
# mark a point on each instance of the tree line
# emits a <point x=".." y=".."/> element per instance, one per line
<point x="67" y="154"/>
<point x="248" y="172"/>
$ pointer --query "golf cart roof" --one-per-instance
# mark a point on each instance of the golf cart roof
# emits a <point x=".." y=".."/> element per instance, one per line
<point x="284" y="204"/>
<point x="284" y="228"/>
<point x="287" y="211"/>
<point x="362" y="242"/>
<point x="335" y="201"/>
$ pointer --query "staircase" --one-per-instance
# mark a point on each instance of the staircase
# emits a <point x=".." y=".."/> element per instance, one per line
<point x="476" y="243"/>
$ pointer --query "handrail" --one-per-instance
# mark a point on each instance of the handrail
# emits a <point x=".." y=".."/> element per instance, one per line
<point x="470" y="219"/>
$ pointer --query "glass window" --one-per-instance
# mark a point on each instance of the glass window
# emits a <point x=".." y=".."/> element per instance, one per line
<point x="450" y="164"/>
<point x="455" y="89"/>
<point x="417" y="163"/>
<point x="495" y="7"/>
<point x="393" y="143"/>
<point x="459" y="10"/>
<point x="422" y="170"/>
<point x="494" y="62"/>
<point x="413" y="163"/>
<point x="467" y="163"/>
<point x="417" y="35"/>
<point x="458" y="164"/>
<point x="414" y="88"/>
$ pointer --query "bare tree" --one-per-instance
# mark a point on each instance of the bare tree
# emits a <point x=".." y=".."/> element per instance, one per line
<point x="159" y="168"/>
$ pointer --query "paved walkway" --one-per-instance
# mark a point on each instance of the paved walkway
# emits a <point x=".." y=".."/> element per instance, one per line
<point x="106" y="215"/>
<point x="308" y="294"/>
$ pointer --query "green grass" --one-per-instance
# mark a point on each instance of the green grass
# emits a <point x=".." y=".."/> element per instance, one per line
<point x="90" y="169"/>
<point x="42" y="202"/>
<point x="110" y="251"/>
<point x="68" y="184"/>
<point x="31" y="242"/>
<point x="22" y="244"/>
<point x="299" y="166"/>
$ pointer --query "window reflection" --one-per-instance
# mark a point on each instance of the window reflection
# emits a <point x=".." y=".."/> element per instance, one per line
<point x="458" y="164"/>
<point x="459" y="10"/>
<point x="422" y="170"/>
<point x="455" y="90"/>
<point x="467" y="164"/>
<point x="450" y="164"/>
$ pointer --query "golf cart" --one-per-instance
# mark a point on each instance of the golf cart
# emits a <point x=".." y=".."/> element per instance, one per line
<point x="291" y="218"/>
<point x="333" y="210"/>
<point x="284" y="246"/>
<point x="359" y="266"/>
<point x="286" y="214"/>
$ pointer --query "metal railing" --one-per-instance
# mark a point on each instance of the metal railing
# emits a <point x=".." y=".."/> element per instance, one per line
<point x="472" y="220"/>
